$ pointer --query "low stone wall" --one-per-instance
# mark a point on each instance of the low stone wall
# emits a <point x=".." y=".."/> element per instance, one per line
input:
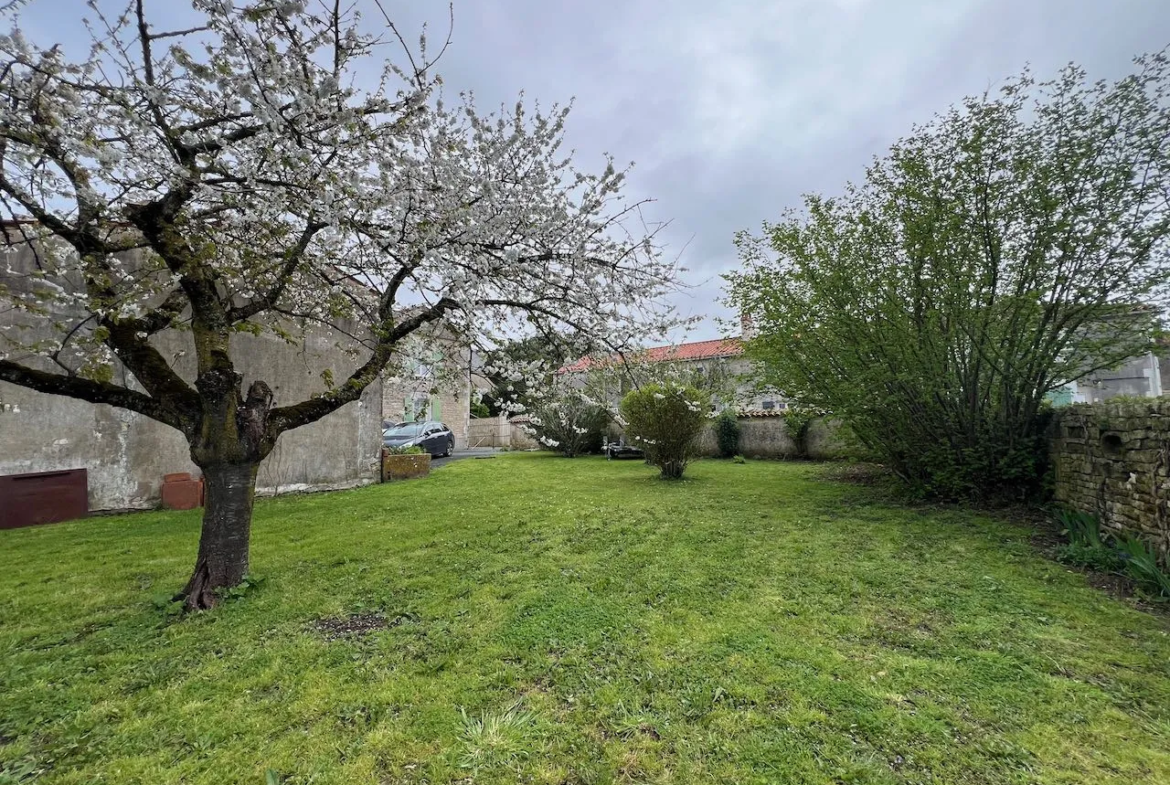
<point x="768" y="437"/>
<point x="404" y="467"/>
<point x="1113" y="460"/>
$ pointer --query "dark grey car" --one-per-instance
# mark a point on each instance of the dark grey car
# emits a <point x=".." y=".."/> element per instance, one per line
<point x="433" y="437"/>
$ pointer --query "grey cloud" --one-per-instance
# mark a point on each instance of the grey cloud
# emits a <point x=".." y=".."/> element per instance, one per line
<point x="733" y="109"/>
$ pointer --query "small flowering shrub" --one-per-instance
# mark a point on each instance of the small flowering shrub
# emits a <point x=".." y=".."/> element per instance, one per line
<point x="570" y="424"/>
<point x="665" y="421"/>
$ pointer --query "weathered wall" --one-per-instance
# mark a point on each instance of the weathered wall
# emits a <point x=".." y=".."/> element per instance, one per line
<point x="1112" y="459"/>
<point x="520" y="439"/>
<point x="499" y="431"/>
<point x="768" y="437"/>
<point x="827" y="440"/>
<point x="127" y="454"/>
<point x="489" y="432"/>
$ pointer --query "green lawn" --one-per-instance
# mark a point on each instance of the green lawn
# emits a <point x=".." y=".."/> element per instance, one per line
<point x="578" y="621"/>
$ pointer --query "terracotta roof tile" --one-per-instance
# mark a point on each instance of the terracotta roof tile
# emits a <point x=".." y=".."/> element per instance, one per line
<point x="698" y="350"/>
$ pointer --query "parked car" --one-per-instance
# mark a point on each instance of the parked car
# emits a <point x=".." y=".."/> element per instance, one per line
<point x="620" y="449"/>
<point x="433" y="437"/>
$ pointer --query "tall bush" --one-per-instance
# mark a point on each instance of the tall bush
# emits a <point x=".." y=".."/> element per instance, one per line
<point x="727" y="433"/>
<point x="665" y="421"/>
<point x="569" y="424"/>
<point x="1015" y="244"/>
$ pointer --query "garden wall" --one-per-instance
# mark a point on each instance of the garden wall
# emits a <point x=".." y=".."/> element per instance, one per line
<point x="488" y="432"/>
<point x="767" y="436"/>
<point x="1112" y="459"/>
<point x="499" y="431"/>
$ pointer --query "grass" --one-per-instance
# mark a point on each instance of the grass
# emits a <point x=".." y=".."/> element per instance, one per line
<point x="534" y="619"/>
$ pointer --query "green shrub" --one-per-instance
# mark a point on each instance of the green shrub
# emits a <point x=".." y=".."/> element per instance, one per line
<point x="977" y="267"/>
<point x="665" y="422"/>
<point x="411" y="450"/>
<point x="727" y="433"/>
<point x="797" y="419"/>
<point x="739" y="459"/>
<point x="1092" y="557"/>
<point x="1141" y="564"/>
<point x="1081" y="528"/>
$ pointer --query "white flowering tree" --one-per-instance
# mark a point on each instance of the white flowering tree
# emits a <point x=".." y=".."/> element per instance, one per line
<point x="248" y="174"/>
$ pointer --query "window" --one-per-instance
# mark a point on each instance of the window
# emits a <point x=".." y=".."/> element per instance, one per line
<point x="769" y="405"/>
<point x="416" y="407"/>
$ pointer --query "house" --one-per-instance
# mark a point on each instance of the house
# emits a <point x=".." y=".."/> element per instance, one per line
<point x="719" y="363"/>
<point x="431" y="382"/>
<point x="1142" y="376"/>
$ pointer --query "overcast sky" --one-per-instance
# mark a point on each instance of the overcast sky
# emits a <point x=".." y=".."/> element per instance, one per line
<point x="732" y="109"/>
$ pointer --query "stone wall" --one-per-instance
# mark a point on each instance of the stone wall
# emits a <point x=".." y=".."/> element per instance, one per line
<point x="1112" y="459"/>
<point x="768" y="437"/>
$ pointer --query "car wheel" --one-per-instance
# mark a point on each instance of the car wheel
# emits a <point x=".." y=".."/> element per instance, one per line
<point x="450" y="446"/>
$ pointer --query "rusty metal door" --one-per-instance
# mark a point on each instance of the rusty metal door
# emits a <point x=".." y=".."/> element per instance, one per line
<point x="43" y="497"/>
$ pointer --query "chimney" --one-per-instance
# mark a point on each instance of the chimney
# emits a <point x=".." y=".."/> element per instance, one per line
<point x="747" y="327"/>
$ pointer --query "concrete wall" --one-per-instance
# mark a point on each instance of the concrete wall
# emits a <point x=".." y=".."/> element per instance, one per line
<point x="499" y="431"/>
<point x="1113" y="460"/>
<point x="489" y="432"/>
<point x="126" y="454"/>
<point x="520" y="439"/>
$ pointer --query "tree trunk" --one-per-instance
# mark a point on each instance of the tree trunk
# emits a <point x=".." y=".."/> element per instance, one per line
<point x="227" y="523"/>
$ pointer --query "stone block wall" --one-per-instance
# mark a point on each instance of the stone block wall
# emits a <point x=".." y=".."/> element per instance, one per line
<point x="1112" y="459"/>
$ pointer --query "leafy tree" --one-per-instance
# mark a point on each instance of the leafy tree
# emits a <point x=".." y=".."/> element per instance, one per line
<point x="239" y="175"/>
<point x="1014" y="244"/>
<point x="797" y="420"/>
<point x="727" y="433"/>
<point x="665" y="421"/>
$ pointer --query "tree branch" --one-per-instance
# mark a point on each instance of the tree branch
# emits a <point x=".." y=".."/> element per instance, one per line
<point x="92" y="391"/>
<point x="285" y="418"/>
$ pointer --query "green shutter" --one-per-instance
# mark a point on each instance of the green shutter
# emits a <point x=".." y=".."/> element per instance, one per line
<point x="436" y="408"/>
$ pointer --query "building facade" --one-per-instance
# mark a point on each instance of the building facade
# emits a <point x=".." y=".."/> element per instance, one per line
<point x="126" y="454"/>
<point x="717" y="364"/>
